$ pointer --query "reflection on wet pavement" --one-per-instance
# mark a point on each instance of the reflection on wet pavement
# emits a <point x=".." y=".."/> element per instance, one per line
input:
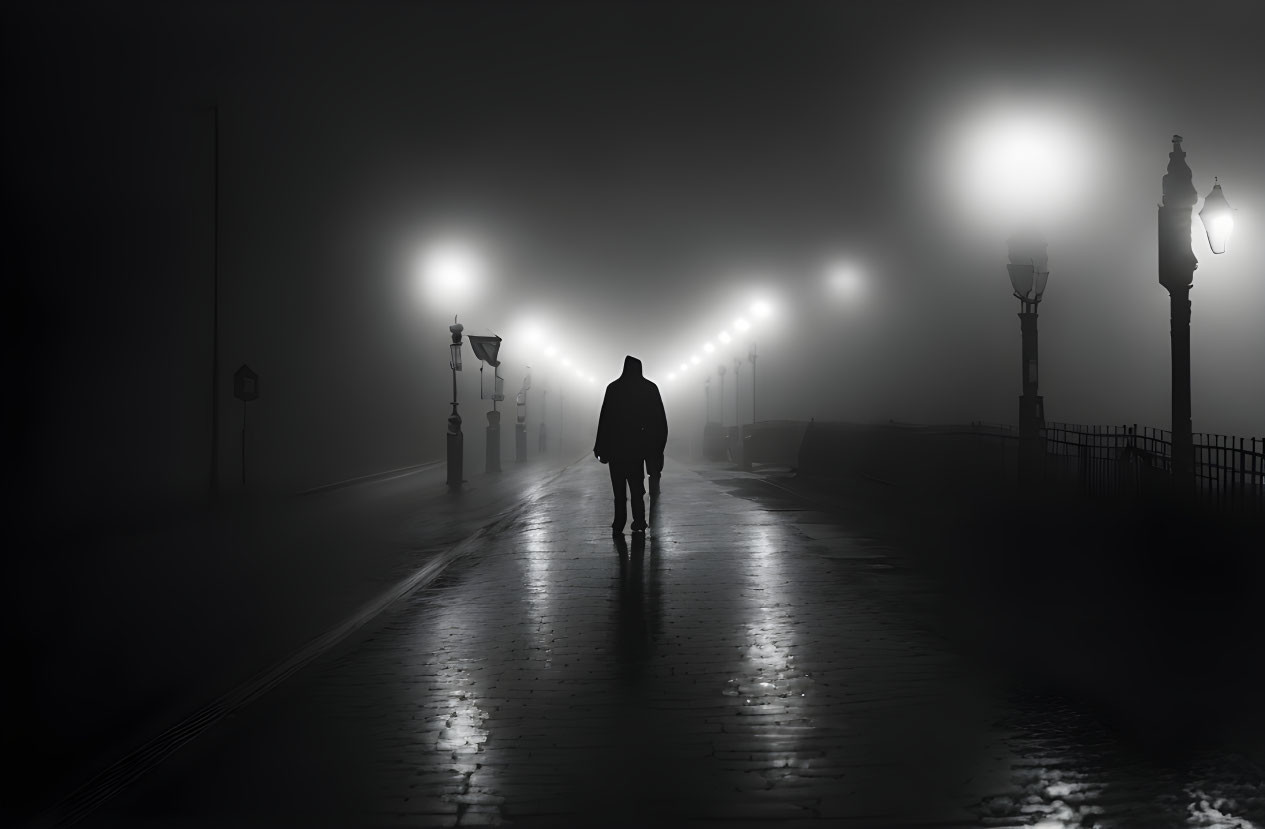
<point x="1068" y="771"/>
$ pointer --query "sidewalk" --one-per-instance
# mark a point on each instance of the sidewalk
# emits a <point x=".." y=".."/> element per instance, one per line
<point x="119" y="635"/>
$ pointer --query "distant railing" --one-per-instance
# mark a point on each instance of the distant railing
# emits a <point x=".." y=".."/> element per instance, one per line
<point x="1128" y="460"/>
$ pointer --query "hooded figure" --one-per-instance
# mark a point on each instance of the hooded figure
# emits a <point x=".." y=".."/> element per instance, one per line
<point x="631" y="430"/>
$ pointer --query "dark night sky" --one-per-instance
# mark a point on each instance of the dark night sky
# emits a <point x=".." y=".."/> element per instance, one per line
<point x="631" y="172"/>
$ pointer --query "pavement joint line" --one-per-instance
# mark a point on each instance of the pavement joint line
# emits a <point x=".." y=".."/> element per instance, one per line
<point x="125" y="771"/>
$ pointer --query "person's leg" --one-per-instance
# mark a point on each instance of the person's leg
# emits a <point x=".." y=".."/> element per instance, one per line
<point x="619" y="484"/>
<point x="637" y="494"/>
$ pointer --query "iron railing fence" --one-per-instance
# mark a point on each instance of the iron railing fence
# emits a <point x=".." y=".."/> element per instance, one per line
<point x="1129" y="460"/>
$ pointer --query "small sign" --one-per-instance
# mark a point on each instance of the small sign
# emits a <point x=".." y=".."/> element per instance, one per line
<point x="245" y="384"/>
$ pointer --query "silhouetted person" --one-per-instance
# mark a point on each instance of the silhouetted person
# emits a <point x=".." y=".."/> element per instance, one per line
<point x="632" y="428"/>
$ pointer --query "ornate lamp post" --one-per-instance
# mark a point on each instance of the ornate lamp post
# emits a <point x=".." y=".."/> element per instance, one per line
<point x="456" y="441"/>
<point x="1029" y="271"/>
<point x="520" y="428"/>
<point x="1177" y="264"/>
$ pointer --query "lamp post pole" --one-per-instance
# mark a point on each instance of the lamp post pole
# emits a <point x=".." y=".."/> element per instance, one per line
<point x="741" y="451"/>
<point x="720" y="405"/>
<point x="1177" y="265"/>
<point x="456" y="441"/>
<point x="493" y="458"/>
<point x="1029" y="272"/>
<point x="751" y="355"/>
<point x="520" y="428"/>
<point x="542" y="445"/>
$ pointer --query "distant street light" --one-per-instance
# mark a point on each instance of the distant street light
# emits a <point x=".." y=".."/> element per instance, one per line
<point x="1029" y="270"/>
<point x="1177" y="264"/>
<point x="520" y="427"/>
<point x="456" y="441"/>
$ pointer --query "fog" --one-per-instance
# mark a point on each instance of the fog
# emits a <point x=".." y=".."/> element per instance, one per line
<point x="631" y="178"/>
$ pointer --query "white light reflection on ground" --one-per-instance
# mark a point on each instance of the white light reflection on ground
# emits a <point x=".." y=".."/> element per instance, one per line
<point x="1068" y="771"/>
<point x="773" y="689"/>
<point x="459" y="739"/>
<point x="537" y="547"/>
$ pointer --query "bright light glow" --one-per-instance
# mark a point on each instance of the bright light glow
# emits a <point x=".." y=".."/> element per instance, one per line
<point x="671" y="377"/>
<point x="724" y="337"/>
<point x="684" y="367"/>
<point x="452" y="274"/>
<point x="741" y="324"/>
<point x="844" y="280"/>
<point x="566" y="361"/>
<point x="694" y="359"/>
<point x="551" y="350"/>
<point x="1014" y="160"/>
<point x="708" y="347"/>
<point x="761" y="309"/>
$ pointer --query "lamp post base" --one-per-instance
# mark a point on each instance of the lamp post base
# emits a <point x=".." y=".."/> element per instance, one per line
<point x="493" y="461"/>
<point x="456" y="448"/>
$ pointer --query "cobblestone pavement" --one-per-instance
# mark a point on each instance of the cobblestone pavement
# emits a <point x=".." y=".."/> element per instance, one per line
<point x="747" y="663"/>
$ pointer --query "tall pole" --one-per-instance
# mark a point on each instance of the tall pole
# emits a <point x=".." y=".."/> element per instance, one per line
<point x="1031" y="416"/>
<point x="215" y="304"/>
<point x="492" y="457"/>
<point x="520" y="426"/>
<point x="720" y="414"/>
<point x="740" y="452"/>
<point x="751" y="355"/>
<point x="1177" y="264"/>
<point x="543" y="444"/>
<point x="456" y="441"/>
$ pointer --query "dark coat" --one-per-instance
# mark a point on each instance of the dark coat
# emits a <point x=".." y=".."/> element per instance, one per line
<point x="633" y="425"/>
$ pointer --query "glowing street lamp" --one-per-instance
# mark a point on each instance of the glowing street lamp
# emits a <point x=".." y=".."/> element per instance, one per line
<point x="1217" y="218"/>
<point x="1177" y="264"/>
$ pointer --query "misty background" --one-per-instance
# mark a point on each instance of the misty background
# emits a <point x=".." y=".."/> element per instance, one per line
<point x="631" y="175"/>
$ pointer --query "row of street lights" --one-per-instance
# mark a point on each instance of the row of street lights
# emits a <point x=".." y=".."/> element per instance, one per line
<point x="725" y="344"/>
<point x="487" y="350"/>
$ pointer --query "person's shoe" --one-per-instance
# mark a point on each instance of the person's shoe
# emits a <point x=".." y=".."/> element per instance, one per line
<point x="638" y="527"/>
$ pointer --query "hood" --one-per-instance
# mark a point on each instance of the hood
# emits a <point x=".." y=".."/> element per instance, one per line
<point x="632" y="367"/>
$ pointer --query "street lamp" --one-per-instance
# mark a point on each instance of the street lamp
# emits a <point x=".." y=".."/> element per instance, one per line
<point x="1029" y="270"/>
<point x="1177" y="264"/>
<point x="520" y="428"/>
<point x="456" y="441"/>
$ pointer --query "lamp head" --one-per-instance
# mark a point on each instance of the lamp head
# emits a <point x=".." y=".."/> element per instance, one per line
<point x="1029" y="267"/>
<point x="1218" y="219"/>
